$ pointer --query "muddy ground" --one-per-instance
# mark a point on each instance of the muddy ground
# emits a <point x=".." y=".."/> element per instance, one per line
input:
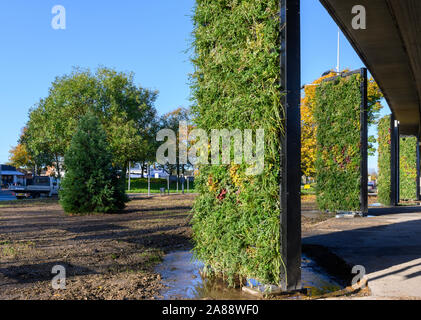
<point x="105" y="256"/>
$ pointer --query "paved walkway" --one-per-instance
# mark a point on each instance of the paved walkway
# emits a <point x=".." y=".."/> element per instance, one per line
<point x="388" y="245"/>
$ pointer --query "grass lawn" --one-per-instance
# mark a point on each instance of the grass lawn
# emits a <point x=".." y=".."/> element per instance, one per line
<point x="140" y="185"/>
<point x="310" y="191"/>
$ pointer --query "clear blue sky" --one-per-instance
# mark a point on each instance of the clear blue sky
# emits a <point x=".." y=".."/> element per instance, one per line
<point x="147" y="37"/>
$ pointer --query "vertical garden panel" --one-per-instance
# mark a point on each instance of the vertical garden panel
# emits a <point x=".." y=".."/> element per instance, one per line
<point x="418" y="169"/>
<point x="236" y="85"/>
<point x="407" y="165"/>
<point x="341" y="139"/>
<point x="408" y="168"/>
<point x="384" y="161"/>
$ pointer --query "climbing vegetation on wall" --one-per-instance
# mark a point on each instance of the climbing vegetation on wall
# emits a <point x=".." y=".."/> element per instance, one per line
<point x="408" y="168"/>
<point x="236" y="224"/>
<point x="383" y="181"/>
<point x="309" y="128"/>
<point x="338" y="156"/>
<point x="407" y="164"/>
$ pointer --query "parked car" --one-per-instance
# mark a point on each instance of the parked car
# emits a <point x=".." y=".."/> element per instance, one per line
<point x="372" y="187"/>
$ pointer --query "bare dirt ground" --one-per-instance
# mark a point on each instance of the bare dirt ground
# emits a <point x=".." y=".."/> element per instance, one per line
<point x="310" y="215"/>
<point x="105" y="256"/>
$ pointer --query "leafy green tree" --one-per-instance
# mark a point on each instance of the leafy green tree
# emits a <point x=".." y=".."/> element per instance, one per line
<point x="42" y="138"/>
<point x="172" y="121"/>
<point x="91" y="183"/>
<point x="124" y="109"/>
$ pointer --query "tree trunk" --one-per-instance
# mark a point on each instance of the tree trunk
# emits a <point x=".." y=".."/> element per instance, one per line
<point x="123" y="176"/>
<point x="58" y="167"/>
<point x="178" y="172"/>
<point x="128" y="188"/>
<point x="143" y="169"/>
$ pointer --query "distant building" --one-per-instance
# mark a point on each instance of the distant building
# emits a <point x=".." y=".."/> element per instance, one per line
<point x="9" y="175"/>
<point x="137" y="172"/>
<point x="158" y="174"/>
<point x="155" y="172"/>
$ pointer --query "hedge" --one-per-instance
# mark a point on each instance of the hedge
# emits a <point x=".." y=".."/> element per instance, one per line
<point x="407" y="165"/>
<point x="338" y="157"/>
<point x="141" y="185"/>
<point x="236" y="222"/>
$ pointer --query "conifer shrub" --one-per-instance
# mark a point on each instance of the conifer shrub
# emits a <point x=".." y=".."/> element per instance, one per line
<point x="91" y="183"/>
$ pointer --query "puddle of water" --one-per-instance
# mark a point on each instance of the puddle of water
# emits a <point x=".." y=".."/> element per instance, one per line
<point x="375" y="205"/>
<point x="315" y="279"/>
<point x="180" y="274"/>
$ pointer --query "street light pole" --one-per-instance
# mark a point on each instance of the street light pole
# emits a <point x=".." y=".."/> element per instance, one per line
<point x="339" y="52"/>
<point x="149" y="180"/>
<point x="129" y="175"/>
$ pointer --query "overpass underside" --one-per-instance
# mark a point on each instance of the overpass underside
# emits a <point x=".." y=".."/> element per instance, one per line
<point x="390" y="46"/>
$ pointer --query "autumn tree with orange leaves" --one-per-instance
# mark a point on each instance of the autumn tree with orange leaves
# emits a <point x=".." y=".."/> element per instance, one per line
<point x="308" y="125"/>
<point x="19" y="157"/>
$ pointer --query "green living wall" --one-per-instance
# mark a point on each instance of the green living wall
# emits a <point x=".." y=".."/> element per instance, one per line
<point x="383" y="180"/>
<point x="408" y="168"/>
<point x="338" y="157"/>
<point x="236" y="222"/>
<point x="407" y="164"/>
